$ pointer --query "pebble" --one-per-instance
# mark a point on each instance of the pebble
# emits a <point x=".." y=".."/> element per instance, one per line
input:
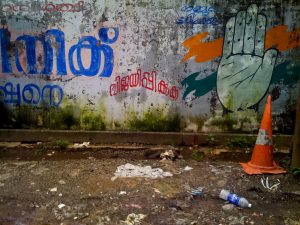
<point x="181" y="222"/>
<point x="61" y="182"/>
<point x="228" y="207"/>
<point x="221" y="183"/>
<point x="61" y="205"/>
<point x="53" y="189"/>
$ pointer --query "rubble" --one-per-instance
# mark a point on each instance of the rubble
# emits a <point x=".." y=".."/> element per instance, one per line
<point x="133" y="219"/>
<point x="130" y="170"/>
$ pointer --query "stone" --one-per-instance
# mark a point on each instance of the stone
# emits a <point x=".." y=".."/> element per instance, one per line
<point x="228" y="207"/>
<point x="221" y="183"/>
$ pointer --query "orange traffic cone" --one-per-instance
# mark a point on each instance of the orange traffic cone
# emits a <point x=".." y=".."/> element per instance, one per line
<point x="262" y="156"/>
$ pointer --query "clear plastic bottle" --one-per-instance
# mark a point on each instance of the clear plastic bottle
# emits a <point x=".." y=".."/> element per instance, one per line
<point x="234" y="199"/>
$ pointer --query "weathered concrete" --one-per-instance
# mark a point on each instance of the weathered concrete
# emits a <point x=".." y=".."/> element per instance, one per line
<point x="94" y="63"/>
<point x="111" y="137"/>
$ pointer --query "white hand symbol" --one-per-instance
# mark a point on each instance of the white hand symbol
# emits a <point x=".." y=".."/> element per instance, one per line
<point x="245" y="70"/>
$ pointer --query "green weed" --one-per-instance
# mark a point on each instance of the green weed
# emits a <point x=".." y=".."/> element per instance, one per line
<point x="198" y="156"/>
<point x="211" y="139"/>
<point x="61" y="144"/>
<point x="241" y="142"/>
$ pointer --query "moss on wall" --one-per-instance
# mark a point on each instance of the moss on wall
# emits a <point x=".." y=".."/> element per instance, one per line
<point x="154" y="119"/>
<point x="90" y="120"/>
<point x="68" y="116"/>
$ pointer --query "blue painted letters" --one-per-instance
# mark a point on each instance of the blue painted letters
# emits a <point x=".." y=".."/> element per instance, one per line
<point x="197" y="15"/>
<point x="98" y="49"/>
<point x="32" y="94"/>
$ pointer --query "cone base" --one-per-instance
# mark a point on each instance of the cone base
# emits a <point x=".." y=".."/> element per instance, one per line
<point x="250" y="168"/>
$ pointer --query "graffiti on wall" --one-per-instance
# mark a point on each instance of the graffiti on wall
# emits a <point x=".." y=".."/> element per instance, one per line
<point x="248" y="60"/>
<point x="31" y="94"/>
<point x="196" y="14"/>
<point x="47" y="7"/>
<point x="101" y="53"/>
<point x="246" y="68"/>
<point x="145" y="80"/>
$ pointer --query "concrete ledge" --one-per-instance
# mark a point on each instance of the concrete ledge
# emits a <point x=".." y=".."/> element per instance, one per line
<point x="113" y="137"/>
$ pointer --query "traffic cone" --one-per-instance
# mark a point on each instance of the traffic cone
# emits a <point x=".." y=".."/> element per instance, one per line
<point x="262" y="156"/>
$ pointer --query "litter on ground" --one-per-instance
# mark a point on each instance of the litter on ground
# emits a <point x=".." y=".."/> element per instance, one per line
<point x="83" y="145"/>
<point x="130" y="170"/>
<point x="133" y="219"/>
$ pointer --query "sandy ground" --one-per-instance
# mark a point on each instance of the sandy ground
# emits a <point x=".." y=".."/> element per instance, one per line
<point x="50" y="186"/>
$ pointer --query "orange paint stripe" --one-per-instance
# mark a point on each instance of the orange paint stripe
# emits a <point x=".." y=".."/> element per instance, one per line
<point x="277" y="37"/>
<point x="282" y="39"/>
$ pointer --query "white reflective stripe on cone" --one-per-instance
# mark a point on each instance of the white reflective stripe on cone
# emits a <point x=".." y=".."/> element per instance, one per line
<point x="263" y="138"/>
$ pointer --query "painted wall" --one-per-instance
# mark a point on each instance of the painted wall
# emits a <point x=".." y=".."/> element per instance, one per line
<point x="165" y="65"/>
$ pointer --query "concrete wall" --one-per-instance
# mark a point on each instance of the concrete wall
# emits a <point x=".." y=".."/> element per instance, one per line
<point x="152" y="65"/>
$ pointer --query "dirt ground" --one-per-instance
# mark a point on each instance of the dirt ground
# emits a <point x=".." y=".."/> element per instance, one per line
<point x="42" y="185"/>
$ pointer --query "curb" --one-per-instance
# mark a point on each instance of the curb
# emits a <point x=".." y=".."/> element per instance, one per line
<point x="114" y="137"/>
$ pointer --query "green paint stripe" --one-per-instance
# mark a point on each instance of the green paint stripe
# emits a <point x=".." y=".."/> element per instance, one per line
<point x="284" y="72"/>
<point x="200" y="86"/>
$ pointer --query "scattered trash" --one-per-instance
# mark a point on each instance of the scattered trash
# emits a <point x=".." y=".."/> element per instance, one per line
<point x="187" y="168"/>
<point x="265" y="184"/>
<point x="133" y="219"/>
<point x="103" y="220"/>
<point x="167" y="155"/>
<point x="61" y="205"/>
<point x="132" y="205"/>
<point x="234" y="199"/>
<point x="61" y="182"/>
<point x="53" y="189"/>
<point x="228" y="207"/>
<point x="83" y="145"/>
<point x="197" y="192"/>
<point x="122" y="193"/>
<point x="129" y="170"/>
<point x="156" y="190"/>
<point x="60" y="194"/>
<point x="81" y="217"/>
<point x="34" y="205"/>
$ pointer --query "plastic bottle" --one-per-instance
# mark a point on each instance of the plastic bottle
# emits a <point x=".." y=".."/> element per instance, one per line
<point x="234" y="199"/>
